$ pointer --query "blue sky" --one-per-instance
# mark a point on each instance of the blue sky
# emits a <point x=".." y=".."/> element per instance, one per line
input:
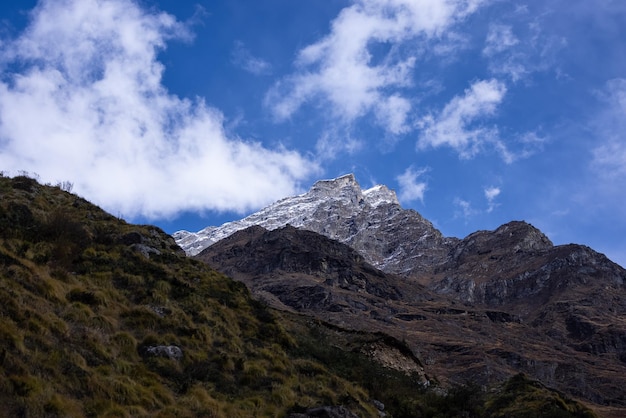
<point x="188" y="114"/>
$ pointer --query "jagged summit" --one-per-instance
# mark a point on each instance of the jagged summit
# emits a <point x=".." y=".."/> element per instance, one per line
<point x="311" y="210"/>
<point x="349" y="189"/>
<point x="380" y="194"/>
<point x="346" y="182"/>
<point x="371" y="221"/>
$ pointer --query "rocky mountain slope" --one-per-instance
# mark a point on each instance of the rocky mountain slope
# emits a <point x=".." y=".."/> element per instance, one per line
<point x="100" y="318"/>
<point x="482" y="308"/>
<point x="520" y="304"/>
<point x="371" y="221"/>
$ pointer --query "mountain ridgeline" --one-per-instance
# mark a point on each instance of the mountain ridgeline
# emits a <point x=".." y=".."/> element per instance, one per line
<point x="370" y="221"/>
<point x="101" y="318"/>
<point x="478" y="309"/>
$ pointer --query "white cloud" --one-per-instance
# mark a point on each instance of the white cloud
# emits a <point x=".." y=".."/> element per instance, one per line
<point x="243" y="58"/>
<point x="490" y="194"/>
<point x="81" y="99"/>
<point x="505" y="54"/>
<point x="410" y="188"/>
<point x="464" y="209"/>
<point x="393" y="112"/>
<point x="609" y="158"/>
<point x="340" y="69"/>
<point x="331" y="144"/>
<point x="457" y="125"/>
<point x="499" y="39"/>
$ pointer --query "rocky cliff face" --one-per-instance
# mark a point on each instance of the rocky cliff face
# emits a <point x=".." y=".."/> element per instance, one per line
<point x="305" y="271"/>
<point x="370" y="221"/>
<point x="517" y="263"/>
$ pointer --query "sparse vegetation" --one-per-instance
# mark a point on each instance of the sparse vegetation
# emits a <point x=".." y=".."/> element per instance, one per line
<point x="86" y="298"/>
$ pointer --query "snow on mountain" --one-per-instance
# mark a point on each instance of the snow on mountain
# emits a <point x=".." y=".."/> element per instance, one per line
<point x="371" y="221"/>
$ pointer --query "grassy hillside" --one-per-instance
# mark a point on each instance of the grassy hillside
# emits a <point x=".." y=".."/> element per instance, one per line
<point x="102" y="318"/>
<point x="87" y="297"/>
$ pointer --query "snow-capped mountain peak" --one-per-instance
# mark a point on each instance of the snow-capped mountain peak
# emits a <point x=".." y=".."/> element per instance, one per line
<point x="341" y="210"/>
<point x="297" y="211"/>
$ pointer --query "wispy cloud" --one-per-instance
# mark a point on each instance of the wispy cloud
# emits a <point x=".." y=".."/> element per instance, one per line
<point x="459" y="125"/>
<point x="82" y="99"/>
<point x="244" y="59"/>
<point x="523" y="43"/>
<point x="609" y="158"/>
<point x="333" y="143"/>
<point x="491" y="193"/>
<point x="340" y="69"/>
<point x="499" y="39"/>
<point x="464" y="209"/>
<point x="412" y="188"/>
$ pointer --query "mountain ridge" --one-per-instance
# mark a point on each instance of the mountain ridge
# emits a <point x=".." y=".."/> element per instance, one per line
<point x="290" y="210"/>
<point x="371" y="221"/>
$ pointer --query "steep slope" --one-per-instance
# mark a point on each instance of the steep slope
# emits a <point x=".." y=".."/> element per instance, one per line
<point x="502" y="302"/>
<point x="302" y="271"/>
<point x="371" y="221"/>
<point x="102" y="318"/>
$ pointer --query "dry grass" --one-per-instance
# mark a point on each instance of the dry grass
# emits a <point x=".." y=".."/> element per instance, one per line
<point x="80" y="307"/>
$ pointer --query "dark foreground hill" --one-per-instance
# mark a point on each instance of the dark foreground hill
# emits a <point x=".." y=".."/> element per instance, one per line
<point x="101" y="318"/>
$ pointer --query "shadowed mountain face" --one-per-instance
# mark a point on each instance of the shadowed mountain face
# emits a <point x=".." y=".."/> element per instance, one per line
<point x="496" y="303"/>
<point x="322" y="274"/>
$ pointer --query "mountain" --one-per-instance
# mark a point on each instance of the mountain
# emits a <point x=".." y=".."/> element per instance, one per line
<point x="101" y="318"/>
<point x="371" y="221"/>
<point x="476" y="309"/>
<point x="302" y="271"/>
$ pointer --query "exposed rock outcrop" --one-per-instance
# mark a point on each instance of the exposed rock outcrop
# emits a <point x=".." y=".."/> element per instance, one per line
<point x="325" y="412"/>
<point x="518" y="263"/>
<point x="306" y="271"/>
<point x="168" y="351"/>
